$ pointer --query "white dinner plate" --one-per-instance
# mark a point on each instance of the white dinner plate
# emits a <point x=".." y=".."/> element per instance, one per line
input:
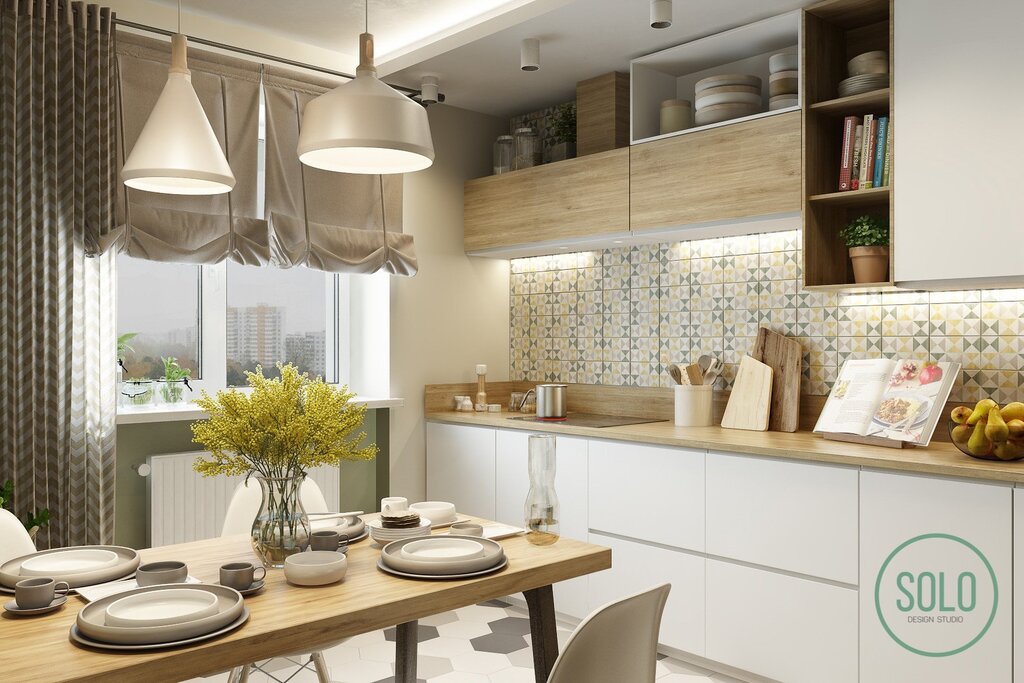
<point x="69" y="561"/>
<point x="442" y="549"/>
<point x="161" y="608"/>
<point x="127" y="562"/>
<point x="391" y="555"/>
<point x="442" y="577"/>
<point x="77" y="636"/>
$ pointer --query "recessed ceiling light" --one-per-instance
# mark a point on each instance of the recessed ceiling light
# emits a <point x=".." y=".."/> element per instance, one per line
<point x="661" y="13"/>
<point x="529" y="54"/>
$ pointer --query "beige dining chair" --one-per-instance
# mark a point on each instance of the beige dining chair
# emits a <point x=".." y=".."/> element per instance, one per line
<point x="618" y="642"/>
<point x="242" y="510"/>
<point x="14" y="539"/>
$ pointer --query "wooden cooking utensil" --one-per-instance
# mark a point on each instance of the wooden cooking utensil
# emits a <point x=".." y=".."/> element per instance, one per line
<point x="694" y="374"/>
<point x="751" y="397"/>
<point x="783" y="355"/>
<point x="677" y="374"/>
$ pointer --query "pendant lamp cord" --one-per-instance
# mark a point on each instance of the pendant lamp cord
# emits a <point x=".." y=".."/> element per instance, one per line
<point x="366" y="16"/>
<point x="179" y="16"/>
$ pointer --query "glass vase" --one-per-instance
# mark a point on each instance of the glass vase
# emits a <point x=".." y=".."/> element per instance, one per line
<point x="541" y="510"/>
<point x="281" y="527"/>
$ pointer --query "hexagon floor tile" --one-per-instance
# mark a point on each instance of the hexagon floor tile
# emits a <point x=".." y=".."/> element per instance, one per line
<point x="486" y="643"/>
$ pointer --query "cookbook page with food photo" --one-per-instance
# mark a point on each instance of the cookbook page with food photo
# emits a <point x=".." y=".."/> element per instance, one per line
<point x="898" y="399"/>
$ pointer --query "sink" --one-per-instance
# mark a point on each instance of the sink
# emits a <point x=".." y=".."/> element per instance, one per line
<point x="588" y="420"/>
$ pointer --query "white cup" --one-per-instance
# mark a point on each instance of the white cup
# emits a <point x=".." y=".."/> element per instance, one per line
<point x="693" y="405"/>
<point x="394" y="504"/>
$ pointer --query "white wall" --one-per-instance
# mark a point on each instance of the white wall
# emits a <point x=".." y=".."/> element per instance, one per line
<point x="455" y="312"/>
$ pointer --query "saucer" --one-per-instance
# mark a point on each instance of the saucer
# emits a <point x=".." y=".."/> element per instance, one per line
<point x="13" y="608"/>
<point x="254" y="587"/>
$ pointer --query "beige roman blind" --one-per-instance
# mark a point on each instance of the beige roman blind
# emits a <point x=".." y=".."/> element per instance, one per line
<point x="336" y="222"/>
<point x="193" y="229"/>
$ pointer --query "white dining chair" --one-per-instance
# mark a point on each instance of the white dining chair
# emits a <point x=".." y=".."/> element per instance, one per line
<point x="618" y="642"/>
<point x="14" y="539"/>
<point x="242" y="510"/>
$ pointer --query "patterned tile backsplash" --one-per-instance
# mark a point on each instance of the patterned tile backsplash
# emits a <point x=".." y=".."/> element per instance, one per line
<point x="620" y="316"/>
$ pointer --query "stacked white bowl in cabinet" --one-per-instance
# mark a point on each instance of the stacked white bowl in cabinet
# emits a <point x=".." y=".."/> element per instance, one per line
<point x="783" y="81"/>
<point x="727" y="96"/>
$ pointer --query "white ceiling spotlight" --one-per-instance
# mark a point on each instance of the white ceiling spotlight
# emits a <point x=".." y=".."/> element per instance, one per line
<point x="661" y="13"/>
<point x="177" y="151"/>
<point x="365" y="126"/>
<point x="529" y="54"/>
<point x="429" y="87"/>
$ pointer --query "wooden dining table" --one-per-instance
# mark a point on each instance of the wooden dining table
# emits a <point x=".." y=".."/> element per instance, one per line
<point x="285" y="619"/>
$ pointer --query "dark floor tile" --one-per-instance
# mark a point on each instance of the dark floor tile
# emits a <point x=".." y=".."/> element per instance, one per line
<point x="423" y="633"/>
<point x="518" y="625"/>
<point x="500" y="643"/>
<point x="495" y="603"/>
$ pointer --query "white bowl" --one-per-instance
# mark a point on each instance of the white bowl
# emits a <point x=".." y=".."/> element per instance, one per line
<point x="315" y="568"/>
<point x="437" y="511"/>
<point x="442" y="549"/>
<point x="160" y="608"/>
<point x="72" y="560"/>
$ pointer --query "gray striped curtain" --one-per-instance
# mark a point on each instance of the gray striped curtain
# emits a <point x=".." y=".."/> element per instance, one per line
<point x="57" y="191"/>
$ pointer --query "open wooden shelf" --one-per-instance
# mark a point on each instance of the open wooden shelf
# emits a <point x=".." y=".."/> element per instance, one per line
<point x="873" y="196"/>
<point x="864" y="103"/>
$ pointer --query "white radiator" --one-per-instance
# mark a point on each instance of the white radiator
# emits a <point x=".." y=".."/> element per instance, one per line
<point x="185" y="506"/>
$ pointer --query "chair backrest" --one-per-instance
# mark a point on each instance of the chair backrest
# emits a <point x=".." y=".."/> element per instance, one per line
<point x="615" y="644"/>
<point x="245" y="505"/>
<point x="14" y="539"/>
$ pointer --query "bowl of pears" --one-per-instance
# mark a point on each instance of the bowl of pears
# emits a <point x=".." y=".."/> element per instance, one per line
<point x="987" y="431"/>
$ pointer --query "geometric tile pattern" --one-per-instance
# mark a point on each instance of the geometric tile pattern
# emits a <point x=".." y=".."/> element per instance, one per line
<point x="469" y="645"/>
<point x="621" y="316"/>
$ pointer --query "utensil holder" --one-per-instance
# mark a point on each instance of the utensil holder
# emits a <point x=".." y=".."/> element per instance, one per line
<point x="693" y="405"/>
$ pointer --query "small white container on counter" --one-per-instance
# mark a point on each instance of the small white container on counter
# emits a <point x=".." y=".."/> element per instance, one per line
<point x="693" y="405"/>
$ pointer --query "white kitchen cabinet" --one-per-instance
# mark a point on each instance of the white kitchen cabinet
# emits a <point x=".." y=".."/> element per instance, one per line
<point x="956" y="168"/>
<point x="1018" y="582"/>
<point x="650" y="493"/>
<point x="796" y="516"/>
<point x="936" y="579"/>
<point x="639" y="566"/>
<point x="783" y="627"/>
<point x="460" y="467"/>
<point x="512" y="482"/>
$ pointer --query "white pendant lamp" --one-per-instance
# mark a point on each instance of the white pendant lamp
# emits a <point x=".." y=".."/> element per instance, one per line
<point x="177" y="151"/>
<point x="661" y="13"/>
<point x="365" y="126"/>
<point x="529" y="54"/>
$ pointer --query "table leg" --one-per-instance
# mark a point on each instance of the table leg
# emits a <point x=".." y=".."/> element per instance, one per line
<point x="543" y="631"/>
<point x="406" y="644"/>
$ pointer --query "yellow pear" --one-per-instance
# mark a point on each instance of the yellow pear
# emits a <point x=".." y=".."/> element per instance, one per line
<point x="996" y="429"/>
<point x="1010" y="450"/>
<point x="981" y="410"/>
<point x="961" y="433"/>
<point x="979" y="444"/>
<point x="1013" y="411"/>
<point x="960" y="414"/>
<point x="1016" y="428"/>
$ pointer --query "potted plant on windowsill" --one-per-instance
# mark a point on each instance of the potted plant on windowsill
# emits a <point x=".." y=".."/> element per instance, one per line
<point x="175" y="381"/>
<point x="277" y="433"/>
<point x="136" y="391"/>
<point x="867" y="238"/>
<point x="564" y="128"/>
<point x="32" y="521"/>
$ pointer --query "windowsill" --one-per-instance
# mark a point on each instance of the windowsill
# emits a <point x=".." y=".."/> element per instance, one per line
<point x="190" y="411"/>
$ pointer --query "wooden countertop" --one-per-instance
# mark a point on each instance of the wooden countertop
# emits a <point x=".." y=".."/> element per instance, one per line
<point x="938" y="458"/>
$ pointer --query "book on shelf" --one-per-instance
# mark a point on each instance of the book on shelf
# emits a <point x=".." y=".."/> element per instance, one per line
<point x="846" y="157"/>
<point x="880" y="144"/>
<point x="858" y="139"/>
<point x="888" y="157"/>
<point x="866" y="154"/>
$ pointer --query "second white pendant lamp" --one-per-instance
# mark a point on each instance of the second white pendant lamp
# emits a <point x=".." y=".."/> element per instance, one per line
<point x="177" y="151"/>
<point x="365" y="126"/>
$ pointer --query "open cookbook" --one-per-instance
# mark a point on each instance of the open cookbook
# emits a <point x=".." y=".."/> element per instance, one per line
<point x="900" y="399"/>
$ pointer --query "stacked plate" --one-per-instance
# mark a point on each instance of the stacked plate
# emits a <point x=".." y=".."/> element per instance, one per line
<point x="159" y="616"/>
<point x="383" y="536"/>
<point x="728" y="96"/>
<point x="80" y="565"/>
<point x="868" y="71"/>
<point x="442" y="557"/>
<point x="784" y="81"/>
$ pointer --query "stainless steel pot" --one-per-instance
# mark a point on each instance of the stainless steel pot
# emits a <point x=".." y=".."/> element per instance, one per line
<point x="551" y="400"/>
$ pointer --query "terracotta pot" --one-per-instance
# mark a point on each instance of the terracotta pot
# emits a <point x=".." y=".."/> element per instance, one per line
<point x="870" y="264"/>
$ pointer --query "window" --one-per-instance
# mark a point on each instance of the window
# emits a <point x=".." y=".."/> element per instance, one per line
<point x="160" y="304"/>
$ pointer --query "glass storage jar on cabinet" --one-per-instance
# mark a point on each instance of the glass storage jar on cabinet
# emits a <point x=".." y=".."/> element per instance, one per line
<point x="525" y="148"/>
<point x="503" y="154"/>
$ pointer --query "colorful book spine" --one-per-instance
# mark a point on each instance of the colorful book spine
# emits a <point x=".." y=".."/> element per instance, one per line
<point x="846" y="154"/>
<point x="867" y="153"/>
<point x="858" y="141"/>
<point x="880" y="144"/>
<point x="888" y="157"/>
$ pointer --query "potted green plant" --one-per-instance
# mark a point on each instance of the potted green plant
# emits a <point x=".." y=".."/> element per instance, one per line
<point x="563" y="126"/>
<point x="136" y="391"/>
<point x="867" y="238"/>
<point x="277" y="432"/>
<point x="175" y="381"/>
<point x="33" y="521"/>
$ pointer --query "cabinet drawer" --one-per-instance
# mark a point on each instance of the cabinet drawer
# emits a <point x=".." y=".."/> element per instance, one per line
<point x="648" y="492"/>
<point x="782" y="627"/>
<point x="637" y="567"/>
<point x="460" y="467"/>
<point x="787" y="515"/>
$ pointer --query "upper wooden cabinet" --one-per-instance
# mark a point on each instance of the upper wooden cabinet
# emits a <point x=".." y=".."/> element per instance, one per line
<point x="583" y="197"/>
<point x="733" y="172"/>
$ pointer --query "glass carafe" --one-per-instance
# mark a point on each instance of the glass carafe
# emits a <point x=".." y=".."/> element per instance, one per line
<point x="541" y="510"/>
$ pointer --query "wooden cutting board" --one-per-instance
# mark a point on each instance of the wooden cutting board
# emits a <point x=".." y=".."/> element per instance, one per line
<point x="751" y="397"/>
<point x="783" y="355"/>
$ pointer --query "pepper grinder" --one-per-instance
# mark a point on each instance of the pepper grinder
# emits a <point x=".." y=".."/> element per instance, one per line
<point x="481" y="388"/>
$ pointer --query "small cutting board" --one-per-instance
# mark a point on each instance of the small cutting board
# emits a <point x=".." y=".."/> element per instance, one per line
<point x="751" y="397"/>
<point x="783" y="355"/>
